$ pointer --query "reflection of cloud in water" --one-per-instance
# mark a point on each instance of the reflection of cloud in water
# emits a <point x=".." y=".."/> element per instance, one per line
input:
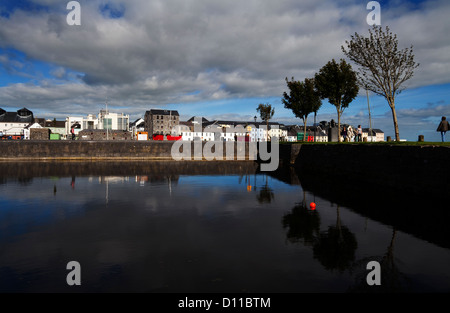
<point x="186" y="233"/>
<point x="166" y="250"/>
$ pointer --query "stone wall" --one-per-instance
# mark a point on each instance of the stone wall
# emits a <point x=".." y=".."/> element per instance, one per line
<point x="85" y="150"/>
<point x="39" y="134"/>
<point x="418" y="168"/>
<point x="101" y="134"/>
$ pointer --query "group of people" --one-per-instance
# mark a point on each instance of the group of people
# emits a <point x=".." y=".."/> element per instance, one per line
<point x="352" y="134"/>
<point x="349" y="133"/>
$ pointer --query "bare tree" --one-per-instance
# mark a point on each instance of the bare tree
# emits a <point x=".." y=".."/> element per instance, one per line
<point x="383" y="68"/>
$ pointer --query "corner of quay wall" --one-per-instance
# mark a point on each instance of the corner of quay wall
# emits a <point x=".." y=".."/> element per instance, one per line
<point x="417" y="167"/>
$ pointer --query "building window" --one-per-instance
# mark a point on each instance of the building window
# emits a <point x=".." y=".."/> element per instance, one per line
<point x="107" y="123"/>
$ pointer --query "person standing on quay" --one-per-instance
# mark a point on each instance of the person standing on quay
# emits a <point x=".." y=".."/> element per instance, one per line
<point x="359" y="133"/>
<point x="344" y="134"/>
<point x="443" y="128"/>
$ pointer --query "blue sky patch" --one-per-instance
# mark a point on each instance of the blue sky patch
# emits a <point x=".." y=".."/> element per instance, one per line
<point x="7" y="7"/>
<point x="112" y="11"/>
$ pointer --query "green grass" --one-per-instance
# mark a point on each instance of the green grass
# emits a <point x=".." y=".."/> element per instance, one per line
<point x="385" y="143"/>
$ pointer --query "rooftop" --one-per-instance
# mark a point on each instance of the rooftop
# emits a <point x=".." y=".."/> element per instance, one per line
<point x="162" y="112"/>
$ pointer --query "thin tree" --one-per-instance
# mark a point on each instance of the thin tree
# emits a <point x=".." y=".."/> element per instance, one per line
<point x="338" y="83"/>
<point x="303" y="99"/>
<point x="382" y="67"/>
<point x="266" y="112"/>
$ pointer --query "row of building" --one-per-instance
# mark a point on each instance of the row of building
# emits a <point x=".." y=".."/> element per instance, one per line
<point x="162" y="125"/>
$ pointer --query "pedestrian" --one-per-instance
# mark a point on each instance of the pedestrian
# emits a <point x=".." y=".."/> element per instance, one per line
<point x="359" y="133"/>
<point x="350" y="133"/>
<point x="344" y="133"/>
<point x="443" y="128"/>
<point x="73" y="133"/>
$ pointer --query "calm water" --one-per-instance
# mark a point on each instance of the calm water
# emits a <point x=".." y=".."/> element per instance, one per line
<point x="166" y="227"/>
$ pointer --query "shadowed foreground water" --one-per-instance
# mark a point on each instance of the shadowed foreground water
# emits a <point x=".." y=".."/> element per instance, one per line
<point x="191" y="227"/>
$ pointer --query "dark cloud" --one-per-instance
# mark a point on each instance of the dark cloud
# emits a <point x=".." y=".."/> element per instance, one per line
<point x="153" y="53"/>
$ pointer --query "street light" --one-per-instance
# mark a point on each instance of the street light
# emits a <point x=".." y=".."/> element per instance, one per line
<point x="370" y="118"/>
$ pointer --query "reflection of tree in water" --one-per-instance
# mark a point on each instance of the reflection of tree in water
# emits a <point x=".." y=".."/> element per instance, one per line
<point x="302" y="224"/>
<point x="336" y="247"/>
<point x="265" y="194"/>
<point x="392" y="280"/>
<point x="25" y="181"/>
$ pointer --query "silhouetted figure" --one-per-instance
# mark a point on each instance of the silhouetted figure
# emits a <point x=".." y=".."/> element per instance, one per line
<point x="443" y="128"/>
<point x="359" y="133"/>
<point x="344" y="133"/>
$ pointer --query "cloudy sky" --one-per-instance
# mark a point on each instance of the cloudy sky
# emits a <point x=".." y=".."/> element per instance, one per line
<point x="212" y="58"/>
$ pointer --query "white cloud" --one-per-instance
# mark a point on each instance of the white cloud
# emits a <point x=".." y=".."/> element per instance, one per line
<point x="187" y="51"/>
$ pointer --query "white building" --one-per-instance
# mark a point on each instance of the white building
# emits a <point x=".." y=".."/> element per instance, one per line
<point x="13" y="123"/>
<point x="90" y="122"/>
<point x="257" y="134"/>
<point x="137" y="126"/>
<point x="376" y="136"/>
<point x="276" y="131"/>
<point x="113" y="121"/>
<point x="75" y="122"/>
<point x="26" y="130"/>
<point x="105" y="120"/>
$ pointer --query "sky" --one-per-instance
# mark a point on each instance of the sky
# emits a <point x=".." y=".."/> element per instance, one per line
<point x="213" y="58"/>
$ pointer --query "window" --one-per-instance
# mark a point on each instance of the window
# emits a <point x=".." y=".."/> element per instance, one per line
<point x="107" y="123"/>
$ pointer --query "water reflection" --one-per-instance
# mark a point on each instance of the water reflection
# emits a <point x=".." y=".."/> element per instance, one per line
<point x="266" y="194"/>
<point x="303" y="224"/>
<point x="335" y="248"/>
<point x="200" y="227"/>
<point x="393" y="280"/>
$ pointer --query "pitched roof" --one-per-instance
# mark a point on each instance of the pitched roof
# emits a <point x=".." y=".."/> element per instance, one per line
<point x="204" y="120"/>
<point x="137" y="122"/>
<point x="374" y="131"/>
<point x="21" y="116"/>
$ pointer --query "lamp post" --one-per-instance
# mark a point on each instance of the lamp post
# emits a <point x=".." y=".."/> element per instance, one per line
<point x="370" y="118"/>
<point x="315" y="126"/>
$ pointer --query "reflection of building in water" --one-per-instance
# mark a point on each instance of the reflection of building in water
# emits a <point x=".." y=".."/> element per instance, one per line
<point x="142" y="179"/>
<point x="113" y="179"/>
<point x="158" y="180"/>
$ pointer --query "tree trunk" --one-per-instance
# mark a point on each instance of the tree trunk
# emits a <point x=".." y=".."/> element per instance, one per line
<point x="394" y="117"/>
<point x="339" y="124"/>
<point x="304" y="130"/>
